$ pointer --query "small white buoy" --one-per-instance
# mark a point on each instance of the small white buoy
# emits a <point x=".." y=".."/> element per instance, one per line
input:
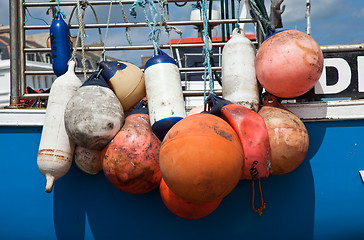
<point x="164" y="93"/>
<point x="239" y="83"/>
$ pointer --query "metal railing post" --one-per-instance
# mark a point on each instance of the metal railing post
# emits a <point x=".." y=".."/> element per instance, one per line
<point x="14" y="51"/>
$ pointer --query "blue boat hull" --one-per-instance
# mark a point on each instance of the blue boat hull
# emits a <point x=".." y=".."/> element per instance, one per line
<point x="322" y="199"/>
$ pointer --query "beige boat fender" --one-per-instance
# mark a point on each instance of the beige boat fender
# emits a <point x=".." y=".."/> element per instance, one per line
<point x="126" y="80"/>
<point x="56" y="149"/>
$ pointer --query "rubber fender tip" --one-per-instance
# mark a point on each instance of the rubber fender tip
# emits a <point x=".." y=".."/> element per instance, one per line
<point x="216" y="103"/>
<point x="50" y="183"/>
<point x="109" y="68"/>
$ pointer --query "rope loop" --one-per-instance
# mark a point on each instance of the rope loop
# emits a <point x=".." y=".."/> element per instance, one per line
<point x="263" y="206"/>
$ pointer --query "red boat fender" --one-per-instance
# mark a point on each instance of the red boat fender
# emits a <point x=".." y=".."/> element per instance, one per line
<point x="183" y="208"/>
<point x="253" y="135"/>
<point x="289" y="63"/>
<point x="288" y="136"/>
<point x="131" y="159"/>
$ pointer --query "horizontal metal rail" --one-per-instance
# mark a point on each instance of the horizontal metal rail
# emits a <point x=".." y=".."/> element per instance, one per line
<point x="136" y="47"/>
<point x="186" y="93"/>
<point x="94" y="3"/>
<point x="190" y="69"/>
<point x="144" y="24"/>
<point x="342" y="48"/>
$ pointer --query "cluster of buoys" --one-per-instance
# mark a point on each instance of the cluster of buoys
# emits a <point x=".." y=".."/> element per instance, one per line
<point x="196" y="160"/>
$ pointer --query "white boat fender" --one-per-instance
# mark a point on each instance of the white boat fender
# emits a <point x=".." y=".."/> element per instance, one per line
<point x="126" y="80"/>
<point x="239" y="83"/>
<point x="94" y="114"/>
<point x="56" y="149"/>
<point x="164" y="93"/>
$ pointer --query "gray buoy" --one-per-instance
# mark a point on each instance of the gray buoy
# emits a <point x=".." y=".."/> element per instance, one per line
<point x="94" y="114"/>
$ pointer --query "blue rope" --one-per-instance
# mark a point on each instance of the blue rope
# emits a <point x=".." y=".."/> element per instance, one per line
<point x="206" y="51"/>
<point x="59" y="11"/>
<point x="237" y="25"/>
<point x="154" y="31"/>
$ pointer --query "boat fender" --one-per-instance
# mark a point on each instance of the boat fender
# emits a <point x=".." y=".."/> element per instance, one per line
<point x="126" y="80"/>
<point x="183" y="208"/>
<point x="94" y="114"/>
<point x="253" y="135"/>
<point x="164" y="93"/>
<point x="131" y="159"/>
<point x="60" y="45"/>
<point x="88" y="160"/>
<point x="56" y="148"/>
<point x="289" y="63"/>
<point x="288" y="136"/>
<point x="201" y="158"/>
<point x="239" y="83"/>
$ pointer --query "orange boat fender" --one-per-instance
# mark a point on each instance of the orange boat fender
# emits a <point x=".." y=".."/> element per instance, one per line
<point x="183" y="208"/>
<point x="131" y="159"/>
<point x="200" y="158"/>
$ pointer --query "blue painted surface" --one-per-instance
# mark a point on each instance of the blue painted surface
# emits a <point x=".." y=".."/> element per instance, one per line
<point x="322" y="199"/>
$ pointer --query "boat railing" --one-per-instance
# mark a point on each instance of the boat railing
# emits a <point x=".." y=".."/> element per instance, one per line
<point x="18" y="30"/>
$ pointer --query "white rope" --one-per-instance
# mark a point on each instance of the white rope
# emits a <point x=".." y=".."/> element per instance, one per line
<point x="103" y="55"/>
<point x="82" y="34"/>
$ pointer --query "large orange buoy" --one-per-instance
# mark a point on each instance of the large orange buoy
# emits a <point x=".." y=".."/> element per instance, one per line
<point x="130" y="161"/>
<point x="289" y="63"/>
<point x="183" y="208"/>
<point x="288" y="137"/>
<point x="201" y="158"/>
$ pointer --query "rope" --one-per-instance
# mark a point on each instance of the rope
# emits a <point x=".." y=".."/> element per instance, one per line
<point x="259" y="12"/>
<point x="103" y="55"/>
<point x="263" y="206"/>
<point x="237" y="25"/>
<point x="82" y="33"/>
<point x="128" y="38"/>
<point x="154" y="32"/>
<point x="26" y="17"/>
<point x="207" y="48"/>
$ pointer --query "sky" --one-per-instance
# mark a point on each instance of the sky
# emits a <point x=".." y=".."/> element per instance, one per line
<point x="332" y="22"/>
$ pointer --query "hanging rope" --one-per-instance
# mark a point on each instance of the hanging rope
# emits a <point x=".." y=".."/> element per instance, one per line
<point x="84" y="4"/>
<point x="103" y="55"/>
<point x="168" y="28"/>
<point x="128" y="38"/>
<point x="154" y="31"/>
<point x="237" y="25"/>
<point x="262" y="207"/>
<point x="26" y="17"/>
<point x="207" y="48"/>
<point x="259" y="12"/>
<point x="82" y="34"/>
